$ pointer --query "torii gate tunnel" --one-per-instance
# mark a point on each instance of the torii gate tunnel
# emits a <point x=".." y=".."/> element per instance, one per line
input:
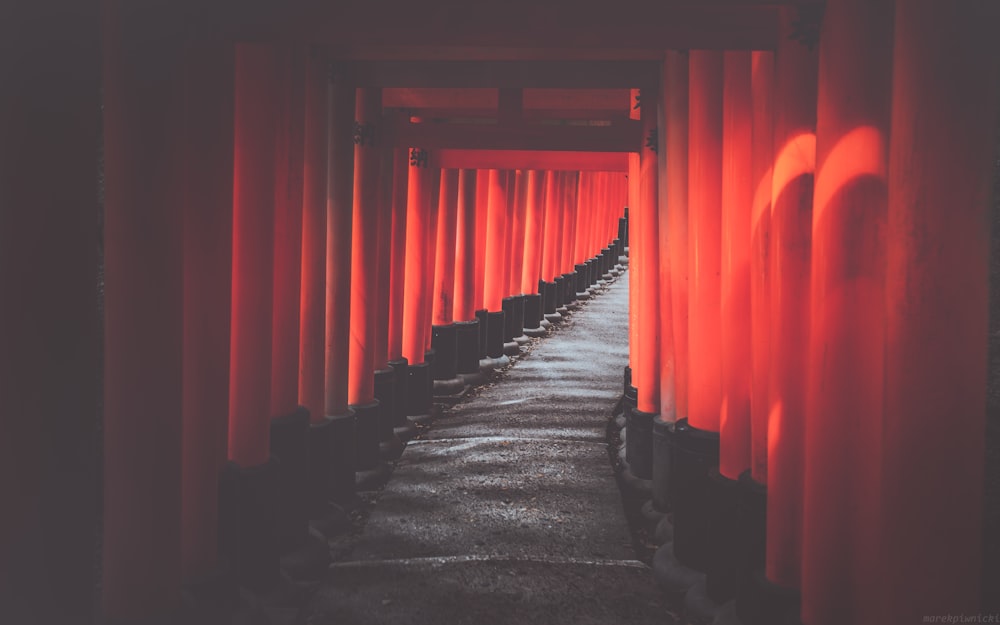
<point x="247" y="247"/>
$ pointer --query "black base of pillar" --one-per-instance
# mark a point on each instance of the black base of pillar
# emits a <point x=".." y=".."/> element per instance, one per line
<point x="628" y="382"/>
<point x="509" y="331"/>
<point x="482" y="316"/>
<point x="288" y="446"/>
<point x="444" y="342"/>
<point x="762" y="603"/>
<point x="418" y="392"/>
<point x="559" y="293"/>
<point x="751" y="517"/>
<point x="695" y="452"/>
<point x="367" y="454"/>
<point x="532" y="311"/>
<point x="494" y="334"/>
<point x="517" y="309"/>
<point x="548" y="291"/>
<point x="639" y="441"/>
<point x="341" y="450"/>
<point x="582" y="277"/>
<point x="402" y="426"/>
<point x="390" y="445"/>
<point x="248" y="537"/>
<point x="727" y="562"/>
<point x="661" y="464"/>
<point x="467" y="347"/>
<point x="569" y="284"/>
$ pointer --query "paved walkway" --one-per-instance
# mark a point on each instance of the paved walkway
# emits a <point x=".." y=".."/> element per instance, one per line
<point x="507" y="511"/>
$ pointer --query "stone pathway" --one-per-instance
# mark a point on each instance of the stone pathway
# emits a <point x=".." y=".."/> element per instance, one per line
<point x="507" y="511"/>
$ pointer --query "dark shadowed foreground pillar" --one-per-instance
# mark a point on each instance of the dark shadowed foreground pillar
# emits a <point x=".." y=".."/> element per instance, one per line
<point x="944" y="112"/>
<point x="49" y="469"/>
<point x="144" y="315"/>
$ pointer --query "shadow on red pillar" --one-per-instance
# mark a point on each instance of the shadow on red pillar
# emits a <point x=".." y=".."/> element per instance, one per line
<point x="943" y="139"/>
<point x="208" y="236"/>
<point x="143" y="300"/>
<point x="49" y="437"/>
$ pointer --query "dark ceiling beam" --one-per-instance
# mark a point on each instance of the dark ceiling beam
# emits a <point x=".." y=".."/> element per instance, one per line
<point x="533" y="159"/>
<point x="507" y="74"/>
<point x="528" y="24"/>
<point x="624" y="136"/>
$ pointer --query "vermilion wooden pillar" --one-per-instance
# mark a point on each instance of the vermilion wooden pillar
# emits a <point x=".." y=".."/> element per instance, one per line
<point x="531" y="271"/>
<point x="646" y="269"/>
<point x="143" y="316"/>
<point x="791" y="227"/>
<point x="464" y="310"/>
<point x="444" y="274"/>
<point x="676" y="148"/>
<point x="840" y="583"/>
<point x="397" y="276"/>
<point x="550" y="227"/>
<point x="208" y="244"/>
<point x="364" y="277"/>
<point x="465" y="248"/>
<point x="339" y="218"/>
<point x="427" y="287"/>
<point x="417" y="223"/>
<point x="647" y="260"/>
<point x="49" y="465"/>
<point x="396" y="290"/>
<point x="943" y="140"/>
<point x="313" y="274"/>
<point x="518" y="242"/>
<point x="445" y="345"/>
<point x="634" y="344"/>
<point x="704" y="238"/>
<point x="312" y="308"/>
<point x="494" y="286"/>
<point x="482" y="202"/>
<point x="737" y="204"/>
<point x="762" y="86"/>
<point x="249" y="518"/>
<point x="288" y="196"/>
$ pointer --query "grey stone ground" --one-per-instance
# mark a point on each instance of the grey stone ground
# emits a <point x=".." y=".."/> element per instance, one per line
<point x="508" y="511"/>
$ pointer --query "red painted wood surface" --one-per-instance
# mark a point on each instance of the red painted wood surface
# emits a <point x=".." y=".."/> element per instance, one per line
<point x="312" y="315"/>
<point x="704" y="238"/>
<point x="364" y="246"/>
<point x="257" y="80"/>
<point x="531" y="271"/>
<point x="496" y="227"/>
<point x="943" y="137"/>
<point x="288" y="192"/>
<point x="791" y="235"/>
<point x="208" y="256"/>
<point x="465" y="247"/>
<point x="400" y="187"/>
<point x="762" y="85"/>
<point x="339" y="219"/>
<point x="840" y="551"/>
<point x="676" y="148"/>
<point x="647" y="261"/>
<point x="737" y="205"/>
<point x="444" y="273"/>
<point x="418" y="209"/>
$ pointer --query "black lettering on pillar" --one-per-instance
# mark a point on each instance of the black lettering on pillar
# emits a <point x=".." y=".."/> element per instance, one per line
<point x="364" y="134"/>
<point x="652" y="141"/>
<point x="807" y="24"/>
<point x="419" y="157"/>
<point x="638" y="100"/>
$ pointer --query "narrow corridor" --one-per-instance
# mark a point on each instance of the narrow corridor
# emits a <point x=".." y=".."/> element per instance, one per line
<point x="507" y="510"/>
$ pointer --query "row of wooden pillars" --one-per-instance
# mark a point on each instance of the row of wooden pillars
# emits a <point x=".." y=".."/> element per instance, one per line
<point x="268" y="258"/>
<point x="810" y="312"/>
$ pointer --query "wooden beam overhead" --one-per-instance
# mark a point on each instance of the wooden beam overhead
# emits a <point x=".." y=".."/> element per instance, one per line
<point x="440" y="26"/>
<point x="533" y="159"/>
<point x="507" y="74"/>
<point x="619" y="137"/>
